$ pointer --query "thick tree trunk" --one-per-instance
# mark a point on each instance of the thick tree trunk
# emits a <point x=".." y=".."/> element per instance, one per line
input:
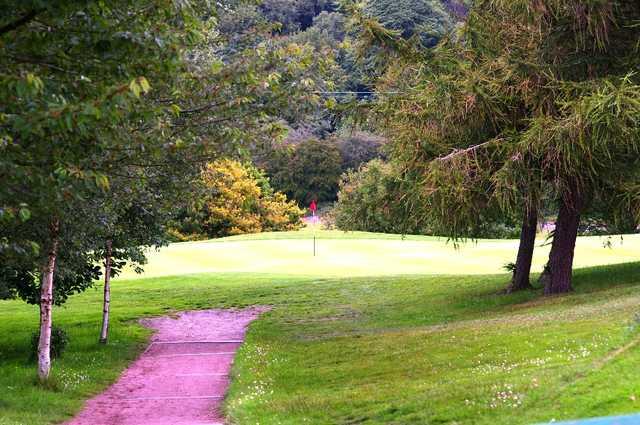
<point x="46" y="305"/>
<point x="560" y="267"/>
<point x="104" y="332"/>
<point x="521" y="274"/>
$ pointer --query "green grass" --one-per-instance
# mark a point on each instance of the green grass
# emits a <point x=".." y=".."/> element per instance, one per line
<point x="360" y="254"/>
<point x="353" y="349"/>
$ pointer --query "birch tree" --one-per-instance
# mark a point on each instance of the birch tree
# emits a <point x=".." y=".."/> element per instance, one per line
<point x="72" y="80"/>
<point x="133" y="218"/>
<point x="95" y="91"/>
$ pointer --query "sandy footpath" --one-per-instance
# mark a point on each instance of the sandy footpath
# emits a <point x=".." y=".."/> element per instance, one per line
<point x="181" y="378"/>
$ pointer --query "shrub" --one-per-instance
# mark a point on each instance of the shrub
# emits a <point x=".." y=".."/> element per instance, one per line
<point x="234" y="199"/>
<point x="373" y="199"/>
<point x="507" y="228"/>
<point x="370" y="200"/>
<point x="59" y="341"/>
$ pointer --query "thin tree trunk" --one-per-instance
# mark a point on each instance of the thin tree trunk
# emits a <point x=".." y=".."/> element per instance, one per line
<point x="560" y="267"/>
<point x="46" y="304"/>
<point x="104" y="332"/>
<point x="522" y="272"/>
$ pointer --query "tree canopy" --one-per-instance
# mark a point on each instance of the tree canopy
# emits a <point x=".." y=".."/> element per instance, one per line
<point x="528" y="104"/>
<point x="107" y="112"/>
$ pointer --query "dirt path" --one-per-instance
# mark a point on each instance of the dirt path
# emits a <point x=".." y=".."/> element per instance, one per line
<point x="181" y="378"/>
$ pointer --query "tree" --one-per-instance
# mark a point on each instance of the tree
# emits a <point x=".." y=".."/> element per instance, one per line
<point x="234" y="199"/>
<point x="133" y="218"/>
<point x="60" y="247"/>
<point x="72" y="113"/>
<point x="77" y="110"/>
<point x="307" y="171"/>
<point x="429" y="20"/>
<point x="358" y="148"/>
<point x="438" y="138"/>
<point x="369" y="200"/>
<point x="294" y="15"/>
<point x="589" y="137"/>
<point x="526" y="103"/>
<point x="74" y="266"/>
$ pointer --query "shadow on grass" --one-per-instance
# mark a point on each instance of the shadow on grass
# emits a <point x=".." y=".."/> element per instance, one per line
<point x="486" y="295"/>
<point x="353" y="303"/>
<point x="606" y="277"/>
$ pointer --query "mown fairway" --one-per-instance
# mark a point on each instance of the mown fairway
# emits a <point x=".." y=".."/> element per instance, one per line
<point x="341" y="254"/>
<point x="350" y="343"/>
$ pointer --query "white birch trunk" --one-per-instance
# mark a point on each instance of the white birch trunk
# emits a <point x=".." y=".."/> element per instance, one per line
<point x="104" y="332"/>
<point x="46" y="305"/>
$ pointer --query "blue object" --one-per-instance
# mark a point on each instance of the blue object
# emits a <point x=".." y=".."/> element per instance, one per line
<point x="612" y="420"/>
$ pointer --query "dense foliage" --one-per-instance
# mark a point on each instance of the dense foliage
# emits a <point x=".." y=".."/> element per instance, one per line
<point x="529" y="105"/>
<point x="107" y="112"/>
<point x="368" y="200"/>
<point x="358" y="148"/>
<point x="294" y="15"/>
<point x="306" y="168"/>
<point x="307" y="171"/>
<point x="428" y="20"/>
<point x="374" y="198"/>
<point x="232" y="199"/>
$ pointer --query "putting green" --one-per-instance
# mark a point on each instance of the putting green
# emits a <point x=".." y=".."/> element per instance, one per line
<point x="341" y="254"/>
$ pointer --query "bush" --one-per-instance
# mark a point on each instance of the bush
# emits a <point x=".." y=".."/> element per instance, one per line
<point x="505" y="229"/>
<point x="376" y="199"/>
<point x="182" y="235"/>
<point x="59" y="341"/>
<point x="234" y="199"/>
<point x="370" y="200"/>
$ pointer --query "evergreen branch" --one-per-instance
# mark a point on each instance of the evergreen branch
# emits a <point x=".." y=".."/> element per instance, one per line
<point x="470" y="149"/>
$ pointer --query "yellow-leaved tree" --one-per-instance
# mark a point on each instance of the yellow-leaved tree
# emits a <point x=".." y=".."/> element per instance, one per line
<point x="237" y="198"/>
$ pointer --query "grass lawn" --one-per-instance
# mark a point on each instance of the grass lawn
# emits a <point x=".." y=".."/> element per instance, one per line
<point x="340" y="347"/>
<point x="353" y="254"/>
